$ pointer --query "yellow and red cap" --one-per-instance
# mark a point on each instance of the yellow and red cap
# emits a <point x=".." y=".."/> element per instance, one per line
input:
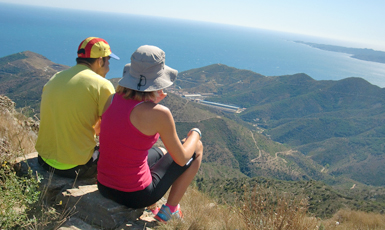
<point x="94" y="47"/>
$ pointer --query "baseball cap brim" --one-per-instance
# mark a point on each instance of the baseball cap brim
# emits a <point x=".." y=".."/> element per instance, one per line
<point x="114" y="56"/>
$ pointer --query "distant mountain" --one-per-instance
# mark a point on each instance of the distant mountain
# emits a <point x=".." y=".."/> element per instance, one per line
<point x="231" y="145"/>
<point x="294" y="127"/>
<point x="328" y="131"/>
<point x="231" y="148"/>
<point x="362" y="54"/>
<point x="338" y="124"/>
<point x="23" y="75"/>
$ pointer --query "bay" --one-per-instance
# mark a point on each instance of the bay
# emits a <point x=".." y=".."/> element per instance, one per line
<point x="56" y="34"/>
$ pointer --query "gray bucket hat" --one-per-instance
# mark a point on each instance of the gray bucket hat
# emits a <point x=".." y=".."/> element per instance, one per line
<point x="147" y="71"/>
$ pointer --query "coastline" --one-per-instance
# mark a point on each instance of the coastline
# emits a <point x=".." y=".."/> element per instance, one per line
<point x="357" y="53"/>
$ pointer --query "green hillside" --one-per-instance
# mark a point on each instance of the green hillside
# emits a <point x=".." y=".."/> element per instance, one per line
<point x="338" y="124"/>
<point x="294" y="127"/>
<point x="23" y="75"/>
<point x="322" y="140"/>
<point x="234" y="147"/>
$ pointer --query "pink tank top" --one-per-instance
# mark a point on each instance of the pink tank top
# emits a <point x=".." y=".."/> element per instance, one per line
<point x="122" y="162"/>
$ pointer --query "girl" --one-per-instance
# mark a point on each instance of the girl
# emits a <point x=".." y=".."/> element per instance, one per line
<point x="130" y="170"/>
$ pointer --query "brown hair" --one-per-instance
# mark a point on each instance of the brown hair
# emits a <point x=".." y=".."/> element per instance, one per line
<point x="136" y="95"/>
<point x="89" y="61"/>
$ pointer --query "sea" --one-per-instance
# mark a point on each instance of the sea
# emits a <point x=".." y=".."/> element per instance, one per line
<point x="56" y="34"/>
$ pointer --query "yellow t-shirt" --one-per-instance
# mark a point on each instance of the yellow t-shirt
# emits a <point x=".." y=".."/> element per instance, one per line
<point x="72" y="102"/>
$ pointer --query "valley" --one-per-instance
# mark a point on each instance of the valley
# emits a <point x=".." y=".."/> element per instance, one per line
<point x="293" y="129"/>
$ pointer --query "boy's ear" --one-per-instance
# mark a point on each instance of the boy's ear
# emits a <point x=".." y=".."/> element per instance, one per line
<point x="100" y="60"/>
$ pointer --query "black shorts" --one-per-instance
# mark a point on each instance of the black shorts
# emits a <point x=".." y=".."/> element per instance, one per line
<point x="164" y="171"/>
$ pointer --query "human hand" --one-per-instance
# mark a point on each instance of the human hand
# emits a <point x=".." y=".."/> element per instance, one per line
<point x="195" y="130"/>
<point x="97" y="127"/>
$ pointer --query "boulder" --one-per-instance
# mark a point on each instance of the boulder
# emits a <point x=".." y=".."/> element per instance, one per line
<point x="50" y="183"/>
<point x="86" y="207"/>
<point x="75" y="223"/>
<point x="88" y="204"/>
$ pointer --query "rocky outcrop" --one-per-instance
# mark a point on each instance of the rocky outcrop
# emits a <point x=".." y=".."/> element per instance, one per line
<point x="7" y="104"/>
<point x="86" y="207"/>
<point x="93" y="208"/>
<point x="17" y="132"/>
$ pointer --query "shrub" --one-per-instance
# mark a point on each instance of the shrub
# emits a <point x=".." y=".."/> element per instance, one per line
<point x="17" y="196"/>
<point x="346" y="219"/>
<point x="201" y="212"/>
<point x="264" y="208"/>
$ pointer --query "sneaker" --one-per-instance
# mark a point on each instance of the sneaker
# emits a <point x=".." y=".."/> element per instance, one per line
<point x="165" y="214"/>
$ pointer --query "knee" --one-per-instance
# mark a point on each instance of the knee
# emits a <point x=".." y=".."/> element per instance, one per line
<point x="199" y="148"/>
<point x="164" y="151"/>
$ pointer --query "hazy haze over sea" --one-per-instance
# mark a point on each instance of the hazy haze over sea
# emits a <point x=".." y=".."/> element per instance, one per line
<point x="56" y="34"/>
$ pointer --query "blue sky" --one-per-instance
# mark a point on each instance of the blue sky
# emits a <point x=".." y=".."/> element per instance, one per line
<point x="359" y="21"/>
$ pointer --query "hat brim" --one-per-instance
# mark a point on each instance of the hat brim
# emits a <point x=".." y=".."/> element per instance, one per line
<point x="114" y="56"/>
<point x="165" y="78"/>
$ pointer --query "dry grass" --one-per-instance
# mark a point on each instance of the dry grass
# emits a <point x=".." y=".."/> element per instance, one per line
<point x="18" y="194"/>
<point x="264" y="208"/>
<point x="355" y="220"/>
<point x="260" y="209"/>
<point x="18" y="134"/>
<point x="201" y="212"/>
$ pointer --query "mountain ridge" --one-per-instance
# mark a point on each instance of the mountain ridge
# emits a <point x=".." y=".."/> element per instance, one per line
<point x="23" y="75"/>
<point x="294" y="127"/>
<point x="311" y="116"/>
<point x="357" y="53"/>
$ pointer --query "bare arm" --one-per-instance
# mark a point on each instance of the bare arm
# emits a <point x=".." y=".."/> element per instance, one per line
<point x="151" y="118"/>
<point x="166" y="128"/>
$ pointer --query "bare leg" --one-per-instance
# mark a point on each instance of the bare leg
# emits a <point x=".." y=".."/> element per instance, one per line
<point x="180" y="186"/>
<point x="163" y="150"/>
